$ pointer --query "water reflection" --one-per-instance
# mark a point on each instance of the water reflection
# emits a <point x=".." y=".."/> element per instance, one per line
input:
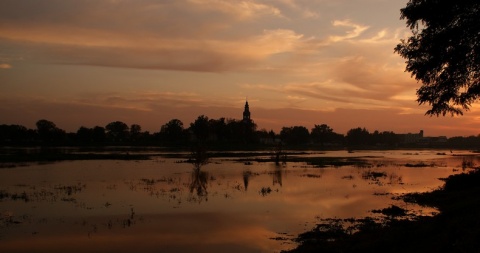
<point x="199" y="178"/>
<point x="246" y="178"/>
<point x="277" y="175"/>
<point x="170" y="203"/>
<point x="199" y="156"/>
<point x="198" y="184"/>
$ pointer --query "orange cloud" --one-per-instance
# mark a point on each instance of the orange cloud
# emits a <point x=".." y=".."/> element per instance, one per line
<point x="271" y="51"/>
<point x="151" y="114"/>
<point x="5" y="66"/>
<point x="239" y="9"/>
<point x="356" y="30"/>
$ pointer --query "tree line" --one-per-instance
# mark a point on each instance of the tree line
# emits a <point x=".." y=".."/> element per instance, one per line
<point x="222" y="132"/>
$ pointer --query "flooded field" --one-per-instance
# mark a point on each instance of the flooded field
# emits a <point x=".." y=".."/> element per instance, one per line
<point x="247" y="204"/>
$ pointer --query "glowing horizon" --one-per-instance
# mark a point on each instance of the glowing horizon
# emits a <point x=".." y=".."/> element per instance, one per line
<point x="87" y="63"/>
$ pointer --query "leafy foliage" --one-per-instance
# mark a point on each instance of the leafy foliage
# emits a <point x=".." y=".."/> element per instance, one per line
<point x="443" y="53"/>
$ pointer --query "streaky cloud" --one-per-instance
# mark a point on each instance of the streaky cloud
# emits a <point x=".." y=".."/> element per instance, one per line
<point x="5" y="66"/>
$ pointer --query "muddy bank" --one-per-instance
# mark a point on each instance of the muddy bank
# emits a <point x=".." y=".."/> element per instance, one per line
<point x="456" y="228"/>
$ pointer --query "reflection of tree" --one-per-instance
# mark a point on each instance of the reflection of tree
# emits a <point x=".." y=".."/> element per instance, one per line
<point x="277" y="175"/>
<point x="246" y="178"/>
<point x="198" y="185"/>
<point x="198" y="158"/>
<point x="279" y="154"/>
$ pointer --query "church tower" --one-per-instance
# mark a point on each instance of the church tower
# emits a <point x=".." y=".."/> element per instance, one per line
<point x="246" y="113"/>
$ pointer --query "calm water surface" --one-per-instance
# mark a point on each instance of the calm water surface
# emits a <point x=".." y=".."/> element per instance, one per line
<point x="163" y="205"/>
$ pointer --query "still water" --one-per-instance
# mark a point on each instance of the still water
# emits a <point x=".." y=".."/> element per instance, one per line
<point x="164" y="205"/>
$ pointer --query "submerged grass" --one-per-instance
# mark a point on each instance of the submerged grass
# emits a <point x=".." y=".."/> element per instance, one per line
<point x="19" y="157"/>
<point x="318" y="162"/>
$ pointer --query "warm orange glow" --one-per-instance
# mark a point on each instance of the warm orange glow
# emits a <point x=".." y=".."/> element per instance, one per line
<point x="147" y="205"/>
<point x="305" y="62"/>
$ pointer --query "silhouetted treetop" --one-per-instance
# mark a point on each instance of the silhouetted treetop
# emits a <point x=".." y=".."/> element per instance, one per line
<point x="45" y="127"/>
<point x="172" y="130"/>
<point x="49" y="132"/>
<point x="200" y="127"/>
<point x="443" y="53"/>
<point x="358" y="136"/>
<point x="117" y="131"/>
<point x="295" y="135"/>
<point x="324" y="134"/>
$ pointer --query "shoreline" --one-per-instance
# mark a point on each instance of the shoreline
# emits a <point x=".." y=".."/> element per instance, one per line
<point x="456" y="228"/>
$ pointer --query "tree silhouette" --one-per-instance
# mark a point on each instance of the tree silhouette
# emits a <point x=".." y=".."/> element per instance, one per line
<point x="219" y="128"/>
<point x="200" y="127"/>
<point x="99" y="134"/>
<point x="135" y="132"/>
<point x="217" y="134"/>
<point x="84" y="135"/>
<point x="248" y="128"/>
<point x="15" y="134"/>
<point x="385" y="138"/>
<point x="358" y="137"/>
<point x="322" y="134"/>
<point x="45" y="129"/>
<point x="295" y="135"/>
<point x="87" y="135"/>
<point x="117" y="131"/>
<point x="443" y="53"/>
<point x="173" y="131"/>
<point x="48" y="132"/>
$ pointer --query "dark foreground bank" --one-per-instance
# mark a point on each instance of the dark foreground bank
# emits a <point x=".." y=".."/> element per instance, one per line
<point x="455" y="229"/>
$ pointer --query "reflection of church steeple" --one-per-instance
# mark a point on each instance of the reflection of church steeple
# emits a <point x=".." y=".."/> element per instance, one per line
<point x="246" y="113"/>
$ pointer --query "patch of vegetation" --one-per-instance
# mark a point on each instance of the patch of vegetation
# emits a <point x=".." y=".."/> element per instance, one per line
<point x="8" y="219"/>
<point x="147" y="181"/>
<point x="70" y="189"/>
<point x="20" y="196"/>
<point x="373" y="175"/>
<point x="419" y="165"/>
<point x="265" y="191"/>
<point x="59" y="192"/>
<point x="312" y="175"/>
<point x="333" y="161"/>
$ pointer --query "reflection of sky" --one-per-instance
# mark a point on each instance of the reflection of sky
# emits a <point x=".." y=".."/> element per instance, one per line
<point x="159" y="233"/>
<point x="164" y="213"/>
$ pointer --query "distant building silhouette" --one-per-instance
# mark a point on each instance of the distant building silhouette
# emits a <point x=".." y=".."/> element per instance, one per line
<point x="420" y="139"/>
<point x="246" y="113"/>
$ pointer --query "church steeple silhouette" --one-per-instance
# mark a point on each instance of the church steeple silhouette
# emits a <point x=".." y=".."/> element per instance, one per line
<point x="246" y="113"/>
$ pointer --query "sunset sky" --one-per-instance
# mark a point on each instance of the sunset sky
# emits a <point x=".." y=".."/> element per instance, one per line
<point x="299" y="62"/>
